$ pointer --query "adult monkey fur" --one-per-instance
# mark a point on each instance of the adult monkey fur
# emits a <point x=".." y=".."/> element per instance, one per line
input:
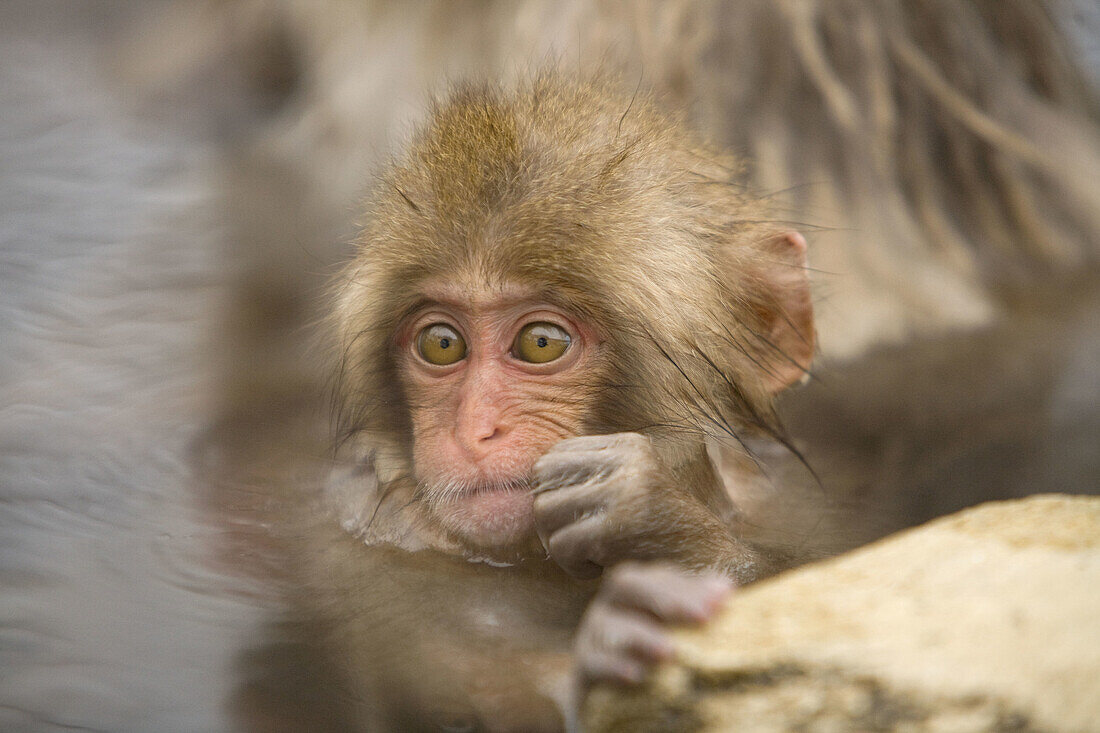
<point x="953" y="149"/>
<point x="947" y="152"/>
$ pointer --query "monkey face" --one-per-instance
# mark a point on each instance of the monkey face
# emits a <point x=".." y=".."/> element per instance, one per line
<point x="492" y="384"/>
<point x="508" y="294"/>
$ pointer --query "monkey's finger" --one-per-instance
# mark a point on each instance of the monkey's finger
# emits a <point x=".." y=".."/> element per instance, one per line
<point x="562" y="470"/>
<point x="553" y="510"/>
<point x="630" y="633"/>
<point x="604" y="667"/>
<point x="577" y="547"/>
<point x="611" y="641"/>
<point x="666" y="591"/>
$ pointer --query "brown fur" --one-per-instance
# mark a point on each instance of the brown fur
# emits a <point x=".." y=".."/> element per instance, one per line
<point x="947" y="152"/>
<point x="593" y="198"/>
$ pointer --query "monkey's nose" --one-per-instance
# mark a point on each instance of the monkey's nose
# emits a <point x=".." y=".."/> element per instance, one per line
<point x="488" y="439"/>
<point x="481" y="438"/>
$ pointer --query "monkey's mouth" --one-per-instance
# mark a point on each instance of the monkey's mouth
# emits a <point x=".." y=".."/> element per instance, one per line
<point x="463" y="490"/>
<point x="503" y="487"/>
<point x="485" y="514"/>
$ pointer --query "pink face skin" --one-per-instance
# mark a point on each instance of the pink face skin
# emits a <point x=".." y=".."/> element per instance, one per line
<point x="480" y="424"/>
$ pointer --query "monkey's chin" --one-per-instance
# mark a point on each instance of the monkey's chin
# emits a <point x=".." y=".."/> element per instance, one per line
<point x="497" y="523"/>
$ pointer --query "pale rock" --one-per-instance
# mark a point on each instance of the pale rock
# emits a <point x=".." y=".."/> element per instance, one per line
<point x="987" y="620"/>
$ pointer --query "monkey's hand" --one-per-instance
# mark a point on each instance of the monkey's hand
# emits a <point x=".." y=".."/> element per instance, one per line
<point x="603" y="499"/>
<point x="623" y="632"/>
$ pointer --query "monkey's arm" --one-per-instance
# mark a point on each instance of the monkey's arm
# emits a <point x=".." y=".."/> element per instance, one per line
<point x="607" y="498"/>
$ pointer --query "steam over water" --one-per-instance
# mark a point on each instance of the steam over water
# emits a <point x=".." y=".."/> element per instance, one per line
<point x="109" y="619"/>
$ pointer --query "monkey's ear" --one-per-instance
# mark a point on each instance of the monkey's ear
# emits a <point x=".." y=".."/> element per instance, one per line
<point x="789" y="321"/>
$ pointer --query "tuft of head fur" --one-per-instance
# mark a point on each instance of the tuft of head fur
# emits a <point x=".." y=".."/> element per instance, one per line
<point x="599" y="201"/>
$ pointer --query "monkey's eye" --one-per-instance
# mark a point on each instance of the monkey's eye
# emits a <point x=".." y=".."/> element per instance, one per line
<point x="540" y="342"/>
<point x="441" y="345"/>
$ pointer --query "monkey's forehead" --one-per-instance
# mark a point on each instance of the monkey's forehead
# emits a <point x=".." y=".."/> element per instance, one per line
<point x="577" y="145"/>
<point x="478" y="292"/>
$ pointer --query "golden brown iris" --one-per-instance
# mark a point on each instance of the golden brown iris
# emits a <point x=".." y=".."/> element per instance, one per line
<point x="540" y="342"/>
<point x="441" y="345"/>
